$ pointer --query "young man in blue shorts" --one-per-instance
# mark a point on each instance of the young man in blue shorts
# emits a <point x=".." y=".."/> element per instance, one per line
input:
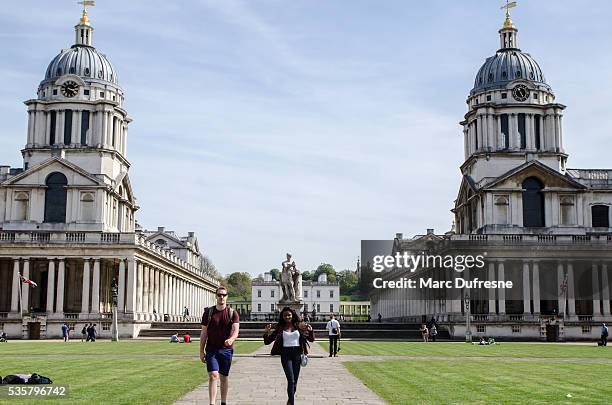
<point x="220" y="325"/>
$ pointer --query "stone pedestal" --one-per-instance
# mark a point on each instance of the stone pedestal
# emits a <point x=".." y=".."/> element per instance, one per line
<point x="295" y="305"/>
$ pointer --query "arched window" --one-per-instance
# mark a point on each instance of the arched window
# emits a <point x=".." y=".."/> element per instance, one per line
<point x="87" y="207"/>
<point x="55" y="198"/>
<point x="21" y="206"/>
<point x="501" y="210"/>
<point x="567" y="210"/>
<point x="533" y="203"/>
<point x="600" y="216"/>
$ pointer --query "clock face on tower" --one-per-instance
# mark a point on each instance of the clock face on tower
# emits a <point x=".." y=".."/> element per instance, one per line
<point x="70" y="89"/>
<point x="520" y="92"/>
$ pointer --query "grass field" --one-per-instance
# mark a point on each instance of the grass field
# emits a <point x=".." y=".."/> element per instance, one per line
<point x="485" y="382"/>
<point x="443" y="349"/>
<point x="128" y="372"/>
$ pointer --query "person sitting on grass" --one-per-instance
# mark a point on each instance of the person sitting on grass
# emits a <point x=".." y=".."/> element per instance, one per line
<point x="174" y="338"/>
<point x="187" y="338"/>
<point x="3" y="337"/>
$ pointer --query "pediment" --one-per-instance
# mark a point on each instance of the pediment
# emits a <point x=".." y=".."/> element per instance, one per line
<point x="550" y="178"/>
<point x="37" y="175"/>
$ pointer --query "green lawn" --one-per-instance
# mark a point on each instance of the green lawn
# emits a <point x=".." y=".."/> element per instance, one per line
<point x="549" y="350"/>
<point x="112" y="372"/>
<point x="485" y="381"/>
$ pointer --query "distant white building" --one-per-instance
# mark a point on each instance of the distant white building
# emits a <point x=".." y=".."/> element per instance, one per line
<point x="321" y="296"/>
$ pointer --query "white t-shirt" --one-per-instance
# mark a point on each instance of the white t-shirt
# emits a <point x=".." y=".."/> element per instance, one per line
<point x="333" y="324"/>
<point x="291" y="339"/>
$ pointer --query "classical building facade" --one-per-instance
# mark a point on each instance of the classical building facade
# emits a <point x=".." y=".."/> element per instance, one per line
<point x="321" y="296"/>
<point x="540" y="224"/>
<point x="67" y="218"/>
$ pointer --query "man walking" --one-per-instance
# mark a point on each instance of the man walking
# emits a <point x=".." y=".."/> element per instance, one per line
<point x="333" y="330"/>
<point x="220" y="326"/>
<point x="604" y="335"/>
<point x="185" y="314"/>
<point x="65" y="331"/>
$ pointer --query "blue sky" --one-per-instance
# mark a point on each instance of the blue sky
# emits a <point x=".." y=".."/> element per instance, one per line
<point x="305" y="126"/>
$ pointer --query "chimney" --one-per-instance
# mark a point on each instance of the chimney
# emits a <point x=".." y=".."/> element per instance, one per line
<point x="430" y="231"/>
<point x="267" y="277"/>
<point x="399" y="236"/>
<point x="4" y="170"/>
<point x="160" y="229"/>
<point x="191" y="234"/>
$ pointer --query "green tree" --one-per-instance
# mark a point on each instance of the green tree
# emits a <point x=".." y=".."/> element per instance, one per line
<point x="327" y="269"/>
<point x="367" y="277"/>
<point x="275" y="274"/>
<point x="307" y="275"/>
<point x="348" y="282"/>
<point x="239" y="285"/>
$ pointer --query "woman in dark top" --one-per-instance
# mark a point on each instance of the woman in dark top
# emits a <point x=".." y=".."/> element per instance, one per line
<point x="290" y="337"/>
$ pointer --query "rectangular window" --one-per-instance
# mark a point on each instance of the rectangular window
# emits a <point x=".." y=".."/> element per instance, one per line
<point x="504" y="95"/>
<point x="318" y="293"/>
<point x="86" y="92"/>
<point x="52" y="128"/>
<point x="331" y="307"/>
<point x="476" y="135"/>
<point x="522" y="129"/>
<point x="305" y="293"/>
<point x="586" y="329"/>
<point x="258" y="293"/>
<point x="258" y="307"/>
<point x="331" y="293"/>
<point x="272" y="293"/>
<point x="271" y="307"/>
<point x="55" y="92"/>
<point x="516" y="328"/>
<point x="305" y="307"/>
<point x="114" y="130"/>
<point x="106" y="326"/>
<point x="84" y="126"/>
<point x="481" y="328"/>
<point x="318" y="307"/>
<point x="600" y="216"/>
<point x="67" y="127"/>
<point x="537" y="125"/>
<point x="504" y="130"/>
<point x="489" y="97"/>
<point x="102" y="94"/>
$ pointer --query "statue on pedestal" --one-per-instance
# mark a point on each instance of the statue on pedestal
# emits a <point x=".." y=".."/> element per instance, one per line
<point x="291" y="281"/>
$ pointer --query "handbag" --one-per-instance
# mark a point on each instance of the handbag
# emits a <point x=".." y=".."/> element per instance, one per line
<point x="304" y="360"/>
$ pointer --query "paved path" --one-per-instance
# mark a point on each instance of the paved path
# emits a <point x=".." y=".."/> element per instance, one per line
<point x="259" y="380"/>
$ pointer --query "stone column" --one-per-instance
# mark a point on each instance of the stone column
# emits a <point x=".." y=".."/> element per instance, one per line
<point x="560" y="281"/>
<point x="59" y="298"/>
<point x="571" y="297"/>
<point x="50" y="286"/>
<point x="95" y="288"/>
<point x="162" y="295"/>
<point x="85" y="295"/>
<point x="139" y="287"/>
<point x="596" y="290"/>
<point x="536" y="287"/>
<point x="16" y="284"/>
<point x="121" y="285"/>
<point x="491" y="290"/>
<point x="526" y="289"/>
<point x="605" y="289"/>
<point x="151" y="291"/>
<point x="501" y="291"/>
<point x="145" y="289"/>
<point x="25" y="288"/>
<point x="157" y="290"/>
<point x="130" y="305"/>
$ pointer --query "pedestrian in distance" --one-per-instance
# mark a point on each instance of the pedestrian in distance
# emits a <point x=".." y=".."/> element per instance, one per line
<point x="433" y="332"/>
<point x="290" y="337"/>
<point x="84" y="333"/>
<point x="333" y="331"/>
<point x="220" y="328"/>
<point x="424" y="333"/>
<point x="604" y="335"/>
<point x="65" y="332"/>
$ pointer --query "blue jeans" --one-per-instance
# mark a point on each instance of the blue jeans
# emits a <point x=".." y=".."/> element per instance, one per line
<point x="291" y="359"/>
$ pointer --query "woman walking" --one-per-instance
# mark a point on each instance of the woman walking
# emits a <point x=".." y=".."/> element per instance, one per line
<point x="290" y="337"/>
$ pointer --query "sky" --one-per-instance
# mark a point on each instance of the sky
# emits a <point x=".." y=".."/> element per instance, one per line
<point x="297" y="126"/>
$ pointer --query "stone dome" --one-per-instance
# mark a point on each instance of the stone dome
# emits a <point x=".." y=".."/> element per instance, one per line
<point x="84" y="61"/>
<point x="506" y="66"/>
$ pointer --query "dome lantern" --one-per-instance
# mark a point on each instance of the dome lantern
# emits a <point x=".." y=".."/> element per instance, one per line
<point x="84" y="30"/>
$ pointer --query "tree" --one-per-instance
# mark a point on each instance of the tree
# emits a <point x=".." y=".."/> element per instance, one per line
<point x="239" y="285"/>
<point x="348" y="282"/>
<point x="275" y="274"/>
<point x="367" y="277"/>
<point x="327" y="269"/>
<point x="307" y="275"/>
<point x="207" y="266"/>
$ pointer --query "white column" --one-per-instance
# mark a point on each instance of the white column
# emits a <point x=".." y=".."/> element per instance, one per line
<point x="560" y="281"/>
<point x="491" y="290"/>
<point x="156" y="290"/>
<point x="130" y="306"/>
<point x="501" y="291"/>
<point x="59" y="298"/>
<point x="151" y="291"/>
<point x="145" y="289"/>
<point x="121" y="286"/>
<point x="526" y="289"/>
<point x="16" y="285"/>
<point x="50" y="286"/>
<point x="85" y="295"/>
<point x="139" y="287"/>
<point x="25" y="288"/>
<point x="571" y="297"/>
<point x="95" y="288"/>
<point x="536" y="287"/>
<point x="596" y="289"/>
<point x="605" y="289"/>
<point x="163" y="292"/>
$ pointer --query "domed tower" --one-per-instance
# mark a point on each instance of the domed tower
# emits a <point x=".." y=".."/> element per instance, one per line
<point x="512" y="114"/>
<point x="79" y="112"/>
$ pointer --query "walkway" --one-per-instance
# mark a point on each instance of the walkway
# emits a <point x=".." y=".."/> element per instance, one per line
<point x="259" y="380"/>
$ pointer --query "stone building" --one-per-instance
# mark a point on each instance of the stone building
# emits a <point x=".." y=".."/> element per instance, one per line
<point x="542" y="225"/>
<point x="320" y="295"/>
<point x="67" y="217"/>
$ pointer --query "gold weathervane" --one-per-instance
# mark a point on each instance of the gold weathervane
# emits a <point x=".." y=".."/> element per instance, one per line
<point x="84" y="19"/>
<point x="508" y="6"/>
